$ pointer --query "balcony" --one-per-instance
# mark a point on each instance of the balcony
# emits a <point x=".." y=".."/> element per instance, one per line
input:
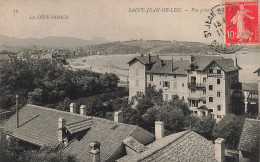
<point x="215" y="75"/>
<point x="194" y="85"/>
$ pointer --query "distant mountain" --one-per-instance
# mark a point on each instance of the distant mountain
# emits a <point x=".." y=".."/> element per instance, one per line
<point x="68" y="42"/>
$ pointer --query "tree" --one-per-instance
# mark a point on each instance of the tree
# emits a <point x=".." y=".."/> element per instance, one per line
<point x="202" y="126"/>
<point x="144" y="104"/>
<point x="229" y="128"/>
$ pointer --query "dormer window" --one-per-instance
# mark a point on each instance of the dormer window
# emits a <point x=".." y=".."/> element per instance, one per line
<point x="210" y="70"/>
<point x="218" y="71"/>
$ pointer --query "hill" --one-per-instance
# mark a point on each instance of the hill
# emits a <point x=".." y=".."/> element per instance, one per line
<point x="151" y="46"/>
<point x="68" y="42"/>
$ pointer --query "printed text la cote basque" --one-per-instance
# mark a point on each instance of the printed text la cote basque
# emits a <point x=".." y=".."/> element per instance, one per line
<point x="49" y="17"/>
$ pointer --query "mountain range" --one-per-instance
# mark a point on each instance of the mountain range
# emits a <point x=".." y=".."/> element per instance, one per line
<point x="68" y="42"/>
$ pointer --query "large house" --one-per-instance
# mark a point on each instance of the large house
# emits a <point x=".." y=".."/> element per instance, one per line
<point x="204" y="82"/>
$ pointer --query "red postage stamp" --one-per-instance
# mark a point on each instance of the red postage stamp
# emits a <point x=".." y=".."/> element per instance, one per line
<point x="241" y="23"/>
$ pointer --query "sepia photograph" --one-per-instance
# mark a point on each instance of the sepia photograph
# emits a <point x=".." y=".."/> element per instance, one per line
<point x="129" y="81"/>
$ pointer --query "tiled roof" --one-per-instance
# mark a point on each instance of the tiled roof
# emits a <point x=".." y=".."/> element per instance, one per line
<point x="108" y="133"/>
<point x="179" y="67"/>
<point x="249" y="86"/>
<point x="4" y="57"/>
<point x="145" y="59"/>
<point x="249" y="140"/>
<point x="39" y="125"/>
<point x="257" y="70"/>
<point x="79" y="126"/>
<point x="227" y="65"/>
<point x="182" y="146"/>
<point x="202" y="62"/>
<point x="134" y="144"/>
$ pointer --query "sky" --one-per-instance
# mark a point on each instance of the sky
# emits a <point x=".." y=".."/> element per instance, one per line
<point x="108" y="19"/>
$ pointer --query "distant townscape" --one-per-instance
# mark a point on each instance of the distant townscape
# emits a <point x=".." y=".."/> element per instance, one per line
<point x="74" y="100"/>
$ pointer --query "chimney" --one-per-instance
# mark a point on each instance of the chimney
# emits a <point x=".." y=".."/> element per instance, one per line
<point x="83" y="110"/>
<point x="159" y="129"/>
<point x="118" y="117"/>
<point x="172" y="64"/>
<point x="220" y="149"/>
<point x="191" y="58"/>
<point x="149" y="57"/>
<point x="17" y="111"/>
<point x="161" y="63"/>
<point x="95" y="151"/>
<point x="61" y="131"/>
<point x="72" y="108"/>
<point x="235" y="61"/>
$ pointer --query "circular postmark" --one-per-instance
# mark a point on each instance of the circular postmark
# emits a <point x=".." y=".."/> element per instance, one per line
<point x="228" y="28"/>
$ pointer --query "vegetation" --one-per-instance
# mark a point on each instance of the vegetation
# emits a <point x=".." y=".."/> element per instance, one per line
<point x="13" y="150"/>
<point x="43" y="82"/>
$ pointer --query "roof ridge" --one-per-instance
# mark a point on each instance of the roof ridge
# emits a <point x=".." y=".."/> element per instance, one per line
<point x="93" y="117"/>
<point x="166" y="144"/>
<point x="47" y="108"/>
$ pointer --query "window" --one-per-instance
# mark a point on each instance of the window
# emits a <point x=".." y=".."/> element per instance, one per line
<point x="160" y="83"/>
<point x="218" y="71"/>
<point x="195" y="112"/>
<point x="218" y="94"/>
<point x="204" y="102"/>
<point x="166" y="84"/>
<point x="139" y="94"/>
<point x="204" y="79"/>
<point x="182" y="98"/>
<point x="192" y="91"/>
<point x="136" y="72"/>
<point x="194" y="103"/>
<point x="210" y="87"/>
<point x="203" y="113"/>
<point x="174" y="75"/>
<point x="204" y="92"/>
<point x="174" y="85"/>
<point x="193" y="79"/>
<point x="218" y="81"/>
<point x="174" y="97"/>
<point x="166" y="97"/>
<point x="151" y="78"/>
<point x="219" y="116"/>
<point x="182" y="85"/>
<point x="137" y="83"/>
<point x="219" y="108"/>
<point x="210" y="70"/>
<point x="210" y="99"/>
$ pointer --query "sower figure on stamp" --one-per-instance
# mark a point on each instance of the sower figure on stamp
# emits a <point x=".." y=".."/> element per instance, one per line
<point x="242" y="32"/>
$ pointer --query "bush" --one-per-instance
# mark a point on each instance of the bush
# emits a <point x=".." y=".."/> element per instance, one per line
<point x="229" y="128"/>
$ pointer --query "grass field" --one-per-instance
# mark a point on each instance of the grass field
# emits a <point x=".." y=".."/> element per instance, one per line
<point x="118" y="64"/>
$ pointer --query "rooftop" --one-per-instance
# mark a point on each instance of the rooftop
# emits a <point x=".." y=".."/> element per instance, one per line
<point x="39" y="126"/>
<point x="182" y="146"/>
<point x="249" y="140"/>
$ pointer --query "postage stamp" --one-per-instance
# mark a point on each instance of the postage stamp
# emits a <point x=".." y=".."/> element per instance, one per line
<point x="241" y="22"/>
<point x="232" y="25"/>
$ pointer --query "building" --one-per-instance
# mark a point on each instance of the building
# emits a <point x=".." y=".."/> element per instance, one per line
<point x="204" y="82"/>
<point x="258" y="73"/>
<point x="249" y="149"/>
<point x="182" y="146"/>
<point x="73" y="133"/>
